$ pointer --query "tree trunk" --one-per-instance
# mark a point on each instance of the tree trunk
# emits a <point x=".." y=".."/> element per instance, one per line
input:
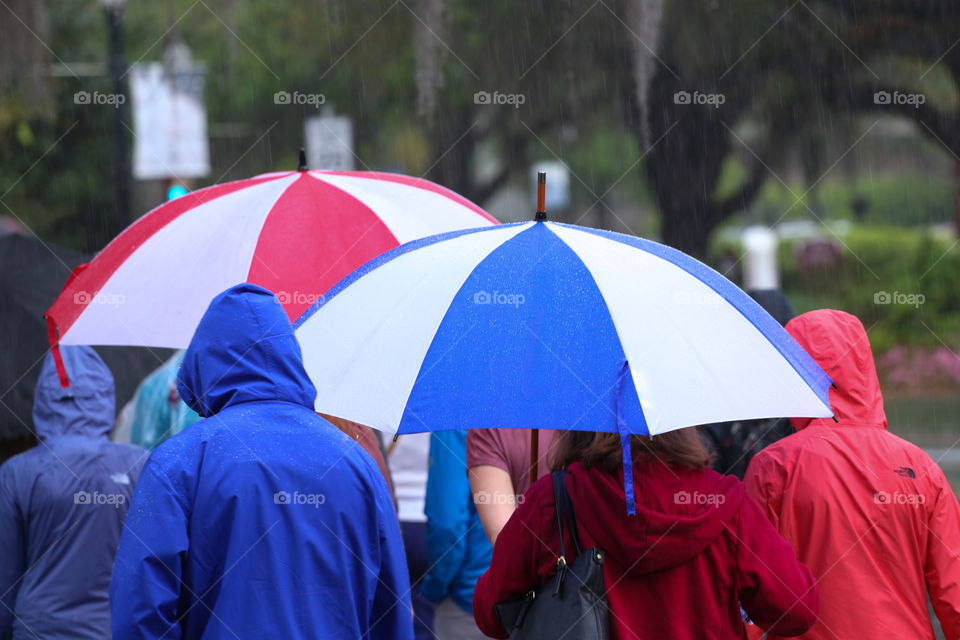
<point x="24" y="56"/>
<point x="689" y="144"/>
<point x="453" y="143"/>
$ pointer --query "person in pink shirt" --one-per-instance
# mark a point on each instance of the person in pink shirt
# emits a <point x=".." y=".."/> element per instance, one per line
<point x="498" y="463"/>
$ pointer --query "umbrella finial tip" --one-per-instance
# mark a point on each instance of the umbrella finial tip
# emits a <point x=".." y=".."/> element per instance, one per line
<point x="303" y="161"/>
<point x="541" y="196"/>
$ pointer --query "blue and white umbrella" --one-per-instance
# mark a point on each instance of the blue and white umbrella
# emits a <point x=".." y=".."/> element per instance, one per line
<point x="550" y="326"/>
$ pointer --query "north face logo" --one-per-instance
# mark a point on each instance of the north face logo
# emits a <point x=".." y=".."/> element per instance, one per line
<point x="906" y="472"/>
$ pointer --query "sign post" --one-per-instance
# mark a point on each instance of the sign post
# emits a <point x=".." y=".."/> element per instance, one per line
<point x="170" y="118"/>
<point x="329" y="142"/>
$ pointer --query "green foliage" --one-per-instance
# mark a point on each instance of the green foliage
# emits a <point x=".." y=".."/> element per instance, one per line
<point x="59" y="167"/>
<point x="916" y="269"/>
<point x="58" y="173"/>
<point x="571" y="63"/>
<point x="905" y="199"/>
<point x="360" y="56"/>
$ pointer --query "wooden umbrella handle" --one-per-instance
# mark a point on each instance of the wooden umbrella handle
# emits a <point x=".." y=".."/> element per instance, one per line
<point x="534" y="454"/>
<point x="541" y="214"/>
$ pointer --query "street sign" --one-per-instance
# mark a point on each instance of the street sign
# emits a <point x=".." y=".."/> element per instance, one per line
<point x="329" y="142"/>
<point x="170" y="122"/>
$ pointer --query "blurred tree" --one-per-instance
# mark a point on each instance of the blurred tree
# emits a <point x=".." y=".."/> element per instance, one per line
<point x="26" y="58"/>
<point x="470" y="93"/>
<point x="923" y="87"/>
<point x="797" y="72"/>
<point x="708" y="81"/>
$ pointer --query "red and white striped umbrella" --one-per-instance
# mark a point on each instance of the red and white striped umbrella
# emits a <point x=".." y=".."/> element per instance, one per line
<point x="296" y="233"/>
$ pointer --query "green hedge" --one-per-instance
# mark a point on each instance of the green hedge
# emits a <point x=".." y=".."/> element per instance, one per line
<point x="908" y="199"/>
<point x="878" y="260"/>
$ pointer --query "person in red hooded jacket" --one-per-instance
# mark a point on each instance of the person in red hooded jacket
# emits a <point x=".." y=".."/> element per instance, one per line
<point x="870" y="513"/>
<point x="696" y="550"/>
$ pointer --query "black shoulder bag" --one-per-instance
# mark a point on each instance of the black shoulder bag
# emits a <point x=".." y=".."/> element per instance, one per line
<point x="573" y="603"/>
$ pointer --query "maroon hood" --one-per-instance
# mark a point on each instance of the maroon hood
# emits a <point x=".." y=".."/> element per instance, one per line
<point x="679" y="512"/>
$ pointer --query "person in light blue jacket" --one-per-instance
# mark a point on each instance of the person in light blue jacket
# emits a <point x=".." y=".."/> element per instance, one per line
<point x="262" y="520"/>
<point x="62" y="506"/>
<point x="457" y="546"/>
<point x="158" y="412"/>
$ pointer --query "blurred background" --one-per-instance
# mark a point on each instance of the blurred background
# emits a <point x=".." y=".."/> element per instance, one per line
<point x="822" y="137"/>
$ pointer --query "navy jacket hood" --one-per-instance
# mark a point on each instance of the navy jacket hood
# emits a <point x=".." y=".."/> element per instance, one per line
<point x="62" y="507"/>
<point x="85" y="408"/>
<point x="244" y="350"/>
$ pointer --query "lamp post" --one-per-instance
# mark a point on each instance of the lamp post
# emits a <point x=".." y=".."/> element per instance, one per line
<point x="121" y="163"/>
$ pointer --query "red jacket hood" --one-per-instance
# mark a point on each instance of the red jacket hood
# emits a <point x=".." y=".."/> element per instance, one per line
<point x="839" y="344"/>
<point x="679" y="512"/>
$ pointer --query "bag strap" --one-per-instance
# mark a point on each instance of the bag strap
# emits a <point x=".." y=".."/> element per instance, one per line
<point x="565" y="512"/>
<point x="559" y="490"/>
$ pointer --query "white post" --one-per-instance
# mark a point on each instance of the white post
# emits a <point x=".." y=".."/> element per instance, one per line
<point x="761" y="270"/>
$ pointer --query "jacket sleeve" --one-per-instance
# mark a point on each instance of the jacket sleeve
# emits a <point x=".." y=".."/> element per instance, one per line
<point x="942" y="567"/>
<point x="448" y="515"/>
<point x="391" y="615"/>
<point x="147" y="573"/>
<point x="513" y="571"/>
<point x="777" y="591"/>
<point x="763" y="483"/>
<point x="13" y="557"/>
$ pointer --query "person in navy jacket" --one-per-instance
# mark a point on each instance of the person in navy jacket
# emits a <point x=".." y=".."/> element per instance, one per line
<point x="262" y="520"/>
<point x="62" y="506"/>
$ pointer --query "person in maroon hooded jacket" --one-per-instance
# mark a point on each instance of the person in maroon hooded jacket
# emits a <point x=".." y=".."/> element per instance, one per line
<point x="695" y="552"/>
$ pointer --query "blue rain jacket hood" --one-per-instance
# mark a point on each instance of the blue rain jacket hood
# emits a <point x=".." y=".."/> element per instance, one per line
<point x="263" y="519"/>
<point x="243" y="351"/>
<point x="62" y="506"/>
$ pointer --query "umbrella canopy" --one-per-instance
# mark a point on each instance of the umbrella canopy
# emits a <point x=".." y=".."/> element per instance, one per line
<point x="295" y="233"/>
<point x="549" y="326"/>
<point x="31" y="275"/>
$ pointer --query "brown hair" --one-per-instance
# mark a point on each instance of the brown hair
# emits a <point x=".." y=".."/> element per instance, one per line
<point x="682" y="448"/>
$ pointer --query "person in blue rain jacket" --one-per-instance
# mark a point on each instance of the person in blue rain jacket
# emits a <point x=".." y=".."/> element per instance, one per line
<point x="262" y="520"/>
<point x="458" y="549"/>
<point x="158" y="412"/>
<point x="62" y="506"/>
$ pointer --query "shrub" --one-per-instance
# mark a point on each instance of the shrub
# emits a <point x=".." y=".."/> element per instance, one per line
<point x="903" y="283"/>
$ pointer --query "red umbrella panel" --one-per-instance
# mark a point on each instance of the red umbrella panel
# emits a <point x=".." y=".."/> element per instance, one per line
<point x="296" y="233"/>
